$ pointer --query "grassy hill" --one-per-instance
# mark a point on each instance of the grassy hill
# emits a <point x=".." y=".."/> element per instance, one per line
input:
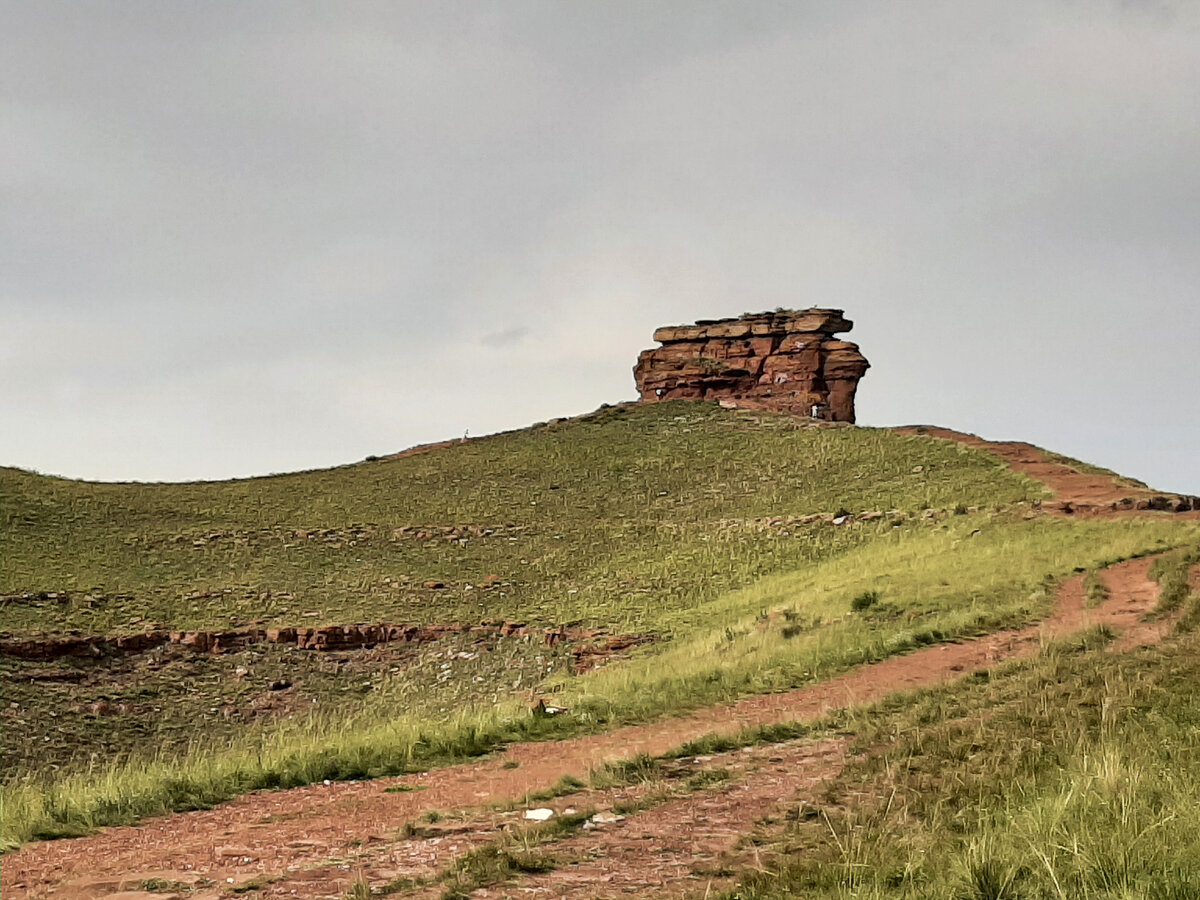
<point x="624" y="516"/>
<point x="759" y="552"/>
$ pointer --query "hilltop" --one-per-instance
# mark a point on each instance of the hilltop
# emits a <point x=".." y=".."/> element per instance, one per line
<point x="169" y="646"/>
<point x="657" y="498"/>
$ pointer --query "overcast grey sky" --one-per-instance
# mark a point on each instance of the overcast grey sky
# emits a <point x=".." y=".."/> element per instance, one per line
<point x="244" y="237"/>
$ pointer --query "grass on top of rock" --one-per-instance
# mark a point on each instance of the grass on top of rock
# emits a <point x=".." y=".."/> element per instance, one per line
<point x="1085" y="468"/>
<point x="614" y="518"/>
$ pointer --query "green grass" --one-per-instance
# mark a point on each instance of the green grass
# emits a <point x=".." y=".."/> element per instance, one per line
<point x="633" y="518"/>
<point x="75" y="713"/>
<point x="614" y="518"/>
<point x="962" y="585"/>
<point x="513" y="854"/>
<point x="1171" y="572"/>
<point x="934" y="584"/>
<point x="1094" y="589"/>
<point x="1073" y="775"/>
<point x="674" y="518"/>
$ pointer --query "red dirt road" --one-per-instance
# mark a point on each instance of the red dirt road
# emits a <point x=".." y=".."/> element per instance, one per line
<point x="1085" y="493"/>
<point x="274" y="835"/>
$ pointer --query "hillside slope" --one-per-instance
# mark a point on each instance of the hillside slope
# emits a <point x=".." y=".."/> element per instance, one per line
<point x="616" y="517"/>
<point x="725" y="553"/>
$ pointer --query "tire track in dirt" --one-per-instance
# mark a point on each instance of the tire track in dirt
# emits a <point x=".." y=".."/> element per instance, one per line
<point x="272" y="835"/>
<point x="682" y="835"/>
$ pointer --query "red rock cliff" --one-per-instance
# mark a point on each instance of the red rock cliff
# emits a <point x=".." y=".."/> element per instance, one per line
<point x="787" y="360"/>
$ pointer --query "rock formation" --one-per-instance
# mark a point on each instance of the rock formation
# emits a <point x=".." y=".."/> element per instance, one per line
<point x="787" y="360"/>
<point x="593" y="643"/>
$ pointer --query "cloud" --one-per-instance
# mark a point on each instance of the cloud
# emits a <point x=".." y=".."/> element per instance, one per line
<point x="506" y="337"/>
<point x="311" y="232"/>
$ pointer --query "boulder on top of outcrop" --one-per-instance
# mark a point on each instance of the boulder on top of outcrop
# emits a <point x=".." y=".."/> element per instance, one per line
<point x="787" y="360"/>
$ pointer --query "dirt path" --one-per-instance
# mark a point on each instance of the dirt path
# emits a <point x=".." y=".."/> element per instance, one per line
<point x="1077" y="493"/>
<point x="694" y="843"/>
<point x="322" y="828"/>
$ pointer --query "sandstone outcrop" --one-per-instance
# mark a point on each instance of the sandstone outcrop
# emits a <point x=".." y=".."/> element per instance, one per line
<point x="593" y="645"/>
<point x="787" y="360"/>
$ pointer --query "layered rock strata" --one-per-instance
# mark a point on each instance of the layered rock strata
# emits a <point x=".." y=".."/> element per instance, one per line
<point x="787" y="360"/>
<point x="596" y="642"/>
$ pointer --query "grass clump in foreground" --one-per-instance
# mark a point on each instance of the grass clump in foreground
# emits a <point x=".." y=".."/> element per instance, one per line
<point x="1072" y="775"/>
<point x="516" y="855"/>
<point x="1094" y="589"/>
<point x="958" y="583"/>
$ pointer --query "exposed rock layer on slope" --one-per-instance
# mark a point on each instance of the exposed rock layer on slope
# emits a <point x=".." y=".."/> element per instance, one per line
<point x="322" y="638"/>
<point x="787" y="360"/>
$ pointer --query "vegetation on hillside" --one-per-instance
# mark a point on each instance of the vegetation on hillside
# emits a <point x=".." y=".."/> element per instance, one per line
<point x="373" y="738"/>
<point x="680" y="519"/>
<point x="1071" y="775"/>
<point x="616" y="518"/>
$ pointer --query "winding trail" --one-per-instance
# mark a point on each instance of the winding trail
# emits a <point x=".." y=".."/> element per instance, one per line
<point x="277" y="835"/>
<point x="315" y="841"/>
<point x="1075" y="492"/>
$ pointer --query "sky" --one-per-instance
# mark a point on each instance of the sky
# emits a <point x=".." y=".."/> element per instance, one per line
<point x="249" y="237"/>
